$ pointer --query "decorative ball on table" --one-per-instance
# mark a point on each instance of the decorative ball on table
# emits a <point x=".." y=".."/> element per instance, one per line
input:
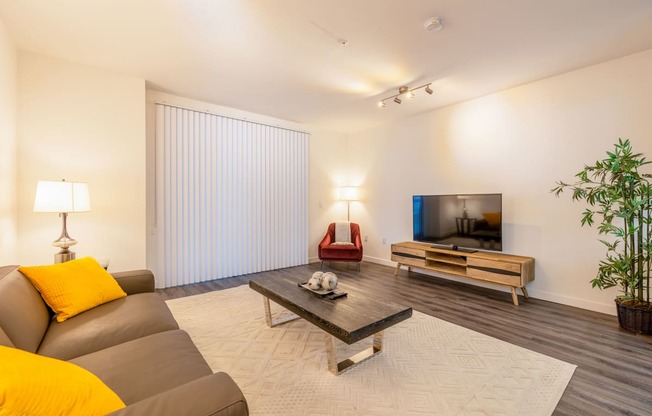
<point x="328" y="281"/>
<point x="315" y="281"/>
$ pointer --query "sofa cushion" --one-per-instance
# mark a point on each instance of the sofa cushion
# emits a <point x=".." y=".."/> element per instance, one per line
<point x="73" y="287"/>
<point x="34" y="385"/>
<point x="147" y="366"/>
<point x="24" y="317"/>
<point x="107" y="325"/>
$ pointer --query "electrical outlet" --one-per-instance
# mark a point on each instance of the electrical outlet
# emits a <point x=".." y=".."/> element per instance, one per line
<point x="366" y="238"/>
<point x="384" y="241"/>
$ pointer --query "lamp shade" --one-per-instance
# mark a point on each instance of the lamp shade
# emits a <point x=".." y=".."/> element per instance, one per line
<point x="61" y="196"/>
<point x="348" y="193"/>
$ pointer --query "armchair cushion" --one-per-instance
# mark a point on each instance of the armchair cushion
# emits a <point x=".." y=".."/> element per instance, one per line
<point x="342" y="232"/>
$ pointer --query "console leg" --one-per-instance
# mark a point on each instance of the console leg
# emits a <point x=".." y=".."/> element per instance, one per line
<point x="514" y="296"/>
<point x="398" y="267"/>
<point x="525" y="295"/>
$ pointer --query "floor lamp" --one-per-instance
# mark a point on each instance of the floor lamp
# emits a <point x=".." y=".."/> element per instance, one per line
<point x="62" y="197"/>
<point x="348" y="194"/>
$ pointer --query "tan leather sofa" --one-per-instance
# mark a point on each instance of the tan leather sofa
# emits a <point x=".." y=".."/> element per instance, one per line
<point x="133" y="344"/>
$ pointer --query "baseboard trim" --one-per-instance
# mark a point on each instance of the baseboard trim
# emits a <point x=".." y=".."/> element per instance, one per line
<point x="606" y="308"/>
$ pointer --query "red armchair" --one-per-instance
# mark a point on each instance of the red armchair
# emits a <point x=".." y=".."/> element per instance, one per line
<point x="328" y="251"/>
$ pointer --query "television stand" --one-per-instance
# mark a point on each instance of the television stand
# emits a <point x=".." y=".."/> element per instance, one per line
<point x="507" y="270"/>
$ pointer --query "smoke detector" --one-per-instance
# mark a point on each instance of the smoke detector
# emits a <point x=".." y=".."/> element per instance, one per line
<point x="434" y="24"/>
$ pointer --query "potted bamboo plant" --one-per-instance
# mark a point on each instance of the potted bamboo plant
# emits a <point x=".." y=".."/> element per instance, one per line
<point x="619" y="201"/>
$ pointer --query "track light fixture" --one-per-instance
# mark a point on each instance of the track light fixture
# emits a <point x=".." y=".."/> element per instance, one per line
<point x="405" y="92"/>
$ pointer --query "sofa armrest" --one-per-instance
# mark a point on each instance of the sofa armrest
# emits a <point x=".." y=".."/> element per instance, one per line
<point x="216" y="394"/>
<point x="135" y="281"/>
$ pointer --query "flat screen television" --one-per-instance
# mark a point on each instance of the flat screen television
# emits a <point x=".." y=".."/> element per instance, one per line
<point x="465" y="222"/>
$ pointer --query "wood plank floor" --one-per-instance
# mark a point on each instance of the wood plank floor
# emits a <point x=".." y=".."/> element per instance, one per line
<point x="614" y="373"/>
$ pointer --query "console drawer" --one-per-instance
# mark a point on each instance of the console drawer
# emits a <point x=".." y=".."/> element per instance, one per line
<point x="409" y="252"/>
<point x="496" y="265"/>
<point x="495" y="277"/>
<point x="409" y="261"/>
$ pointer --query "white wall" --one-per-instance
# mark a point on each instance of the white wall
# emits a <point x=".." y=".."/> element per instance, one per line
<point x="518" y="142"/>
<point x="328" y="168"/>
<point x="82" y="124"/>
<point x="8" y="169"/>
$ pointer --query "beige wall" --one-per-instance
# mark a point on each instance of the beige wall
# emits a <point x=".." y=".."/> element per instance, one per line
<point x="82" y="124"/>
<point x="517" y="142"/>
<point x="329" y="169"/>
<point x="8" y="169"/>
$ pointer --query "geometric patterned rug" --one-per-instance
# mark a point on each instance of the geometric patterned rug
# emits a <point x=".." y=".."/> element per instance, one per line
<point x="427" y="367"/>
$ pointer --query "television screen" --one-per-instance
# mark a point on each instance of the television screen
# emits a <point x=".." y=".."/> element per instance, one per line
<point x="472" y="221"/>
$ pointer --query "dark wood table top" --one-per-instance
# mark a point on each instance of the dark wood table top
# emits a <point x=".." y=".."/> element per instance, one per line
<point x="350" y="318"/>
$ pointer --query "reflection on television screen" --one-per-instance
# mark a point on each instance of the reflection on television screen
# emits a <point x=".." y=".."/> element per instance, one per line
<point x="463" y="220"/>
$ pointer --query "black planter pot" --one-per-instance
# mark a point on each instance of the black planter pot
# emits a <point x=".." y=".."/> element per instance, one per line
<point x="636" y="319"/>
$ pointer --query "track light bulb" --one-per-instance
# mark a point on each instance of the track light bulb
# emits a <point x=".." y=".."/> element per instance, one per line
<point x="397" y="100"/>
<point x="410" y="94"/>
<point x="428" y="89"/>
<point x="381" y="104"/>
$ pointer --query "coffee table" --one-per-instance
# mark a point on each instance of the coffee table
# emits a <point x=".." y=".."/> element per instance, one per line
<point x="349" y="319"/>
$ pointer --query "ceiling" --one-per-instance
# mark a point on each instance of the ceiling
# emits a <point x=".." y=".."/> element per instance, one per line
<point x="284" y="58"/>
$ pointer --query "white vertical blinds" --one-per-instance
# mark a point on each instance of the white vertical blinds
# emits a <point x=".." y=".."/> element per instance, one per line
<point x="231" y="196"/>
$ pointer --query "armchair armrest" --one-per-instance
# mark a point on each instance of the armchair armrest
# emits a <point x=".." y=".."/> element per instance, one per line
<point x="135" y="281"/>
<point x="327" y="240"/>
<point x="216" y="394"/>
<point x="358" y="241"/>
<point x="324" y="243"/>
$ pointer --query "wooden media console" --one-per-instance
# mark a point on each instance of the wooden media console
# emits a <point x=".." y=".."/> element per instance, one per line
<point x="497" y="268"/>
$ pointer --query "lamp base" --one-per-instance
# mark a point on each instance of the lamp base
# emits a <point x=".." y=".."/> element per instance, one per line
<point x="64" y="255"/>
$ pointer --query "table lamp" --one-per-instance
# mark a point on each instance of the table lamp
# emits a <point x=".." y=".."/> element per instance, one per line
<point x="62" y="197"/>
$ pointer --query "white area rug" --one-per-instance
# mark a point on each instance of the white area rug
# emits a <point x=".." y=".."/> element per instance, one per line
<point x="427" y="367"/>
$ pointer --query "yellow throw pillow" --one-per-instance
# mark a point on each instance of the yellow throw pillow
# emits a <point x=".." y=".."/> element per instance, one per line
<point x="31" y="384"/>
<point x="73" y="287"/>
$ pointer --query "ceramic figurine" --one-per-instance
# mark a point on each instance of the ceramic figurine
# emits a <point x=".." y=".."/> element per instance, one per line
<point x="315" y="281"/>
<point x="328" y="281"/>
